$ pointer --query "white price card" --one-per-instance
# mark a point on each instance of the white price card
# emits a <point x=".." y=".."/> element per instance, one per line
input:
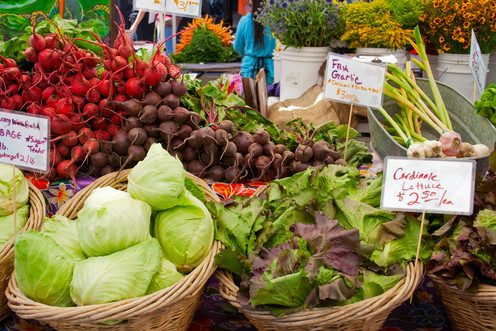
<point x="432" y="185"/>
<point x="477" y="65"/>
<point x="354" y="82"/>
<point x="188" y="8"/>
<point x="24" y="140"/>
<point x="151" y="5"/>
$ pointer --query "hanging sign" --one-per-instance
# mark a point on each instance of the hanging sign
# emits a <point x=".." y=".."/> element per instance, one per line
<point x="430" y="185"/>
<point x="151" y="5"/>
<point x="354" y="82"/>
<point x="477" y="65"/>
<point x="188" y="8"/>
<point x="24" y="140"/>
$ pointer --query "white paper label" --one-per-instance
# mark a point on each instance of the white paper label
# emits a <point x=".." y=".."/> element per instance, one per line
<point x="189" y="8"/>
<point x="352" y="81"/>
<point x="431" y="185"/>
<point x="24" y="140"/>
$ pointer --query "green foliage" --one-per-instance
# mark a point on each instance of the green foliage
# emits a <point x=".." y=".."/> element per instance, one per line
<point x="205" y="47"/>
<point x="486" y="106"/>
<point x="300" y="23"/>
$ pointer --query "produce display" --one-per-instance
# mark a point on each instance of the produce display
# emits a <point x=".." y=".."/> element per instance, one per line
<point x="8" y="204"/>
<point x="116" y="249"/>
<point x="317" y="238"/>
<point x="108" y="106"/>
<point x="417" y="109"/>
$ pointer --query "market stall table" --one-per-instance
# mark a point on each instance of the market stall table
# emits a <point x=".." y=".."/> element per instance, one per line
<point x="424" y="312"/>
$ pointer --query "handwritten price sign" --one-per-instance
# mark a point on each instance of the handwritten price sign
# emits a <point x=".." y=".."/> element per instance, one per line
<point x="151" y="5"/>
<point x="24" y="140"/>
<point x="352" y="81"/>
<point x="188" y="8"/>
<point x="477" y="65"/>
<point x="435" y="186"/>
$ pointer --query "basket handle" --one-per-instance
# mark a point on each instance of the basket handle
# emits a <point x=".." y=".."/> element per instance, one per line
<point x="227" y="289"/>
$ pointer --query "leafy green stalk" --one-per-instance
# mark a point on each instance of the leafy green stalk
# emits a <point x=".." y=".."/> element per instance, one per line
<point x="394" y="125"/>
<point x="420" y="48"/>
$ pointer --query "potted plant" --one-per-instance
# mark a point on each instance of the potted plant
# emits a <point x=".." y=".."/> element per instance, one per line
<point x="305" y="29"/>
<point x="447" y="24"/>
<point x="380" y="27"/>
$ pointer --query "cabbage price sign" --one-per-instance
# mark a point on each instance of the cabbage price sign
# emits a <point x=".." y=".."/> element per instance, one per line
<point x="430" y="185"/>
<point x="354" y="82"/>
<point x="24" y="140"/>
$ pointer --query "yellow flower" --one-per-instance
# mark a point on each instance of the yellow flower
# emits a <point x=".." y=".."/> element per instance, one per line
<point x="446" y="47"/>
<point x="441" y="39"/>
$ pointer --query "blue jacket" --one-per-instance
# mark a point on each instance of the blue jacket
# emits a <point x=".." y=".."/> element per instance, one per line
<point x="244" y="45"/>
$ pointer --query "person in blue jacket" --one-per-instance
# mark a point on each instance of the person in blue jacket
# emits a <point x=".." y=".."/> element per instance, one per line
<point x="256" y="45"/>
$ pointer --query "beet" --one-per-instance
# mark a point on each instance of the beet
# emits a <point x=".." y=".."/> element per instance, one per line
<point x="301" y="166"/>
<point x="287" y="157"/>
<point x="321" y="149"/>
<point x="243" y="140"/>
<point x="171" y="100"/>
<point x="149" y="114"/>
<point x="132" y="106"/>
<point x="196" y="167"/>
<point x="221" y="137"/>
<point x="132" y="122"/>
<point x="179" y="88"/>
<point x="163" y="88"/>
<point x="181" y="114"/>
<point x="279" y="149"/>
<point x="216" y="173"/>
<point x="189" y="154"/>
<point x="99" y="159"/>
<point x="137" y="136"/>
<point x="149" y="142"/>
<point x="121" y="143"/>
<point x="261" y="136"/>
<point x="232" y="174"/>
<point x="227" y="125"/>
<point x="177" y="155"/>
<point x="177" y="144"/>
<point x="303" y="153"/>
<point x="152" y="98"/>
<point x="152" y="130"/>
<point x="106" y="170"/>
<point x="165" y="113"/>
<point x="184" y="131"/>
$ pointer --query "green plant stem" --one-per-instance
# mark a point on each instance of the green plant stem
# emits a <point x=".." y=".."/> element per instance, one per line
<point x="393" y="124"/>
<point x="420" y="48"/>
<point x="391" y="92"/>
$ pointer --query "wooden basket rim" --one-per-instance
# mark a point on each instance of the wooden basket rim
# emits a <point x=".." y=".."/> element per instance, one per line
<point x="366" y="309"/>
<point x="485" y="292"/>
<point x="118" y="310"/>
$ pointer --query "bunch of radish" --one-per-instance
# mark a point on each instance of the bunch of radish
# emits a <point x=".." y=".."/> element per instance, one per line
<point x="84" y="105"/>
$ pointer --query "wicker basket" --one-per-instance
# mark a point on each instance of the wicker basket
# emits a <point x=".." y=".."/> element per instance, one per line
<point x="367" y="315"/>
<point x="169" y="309"/>
<point x="35" y="221"/>
<point x="467" y="310"/>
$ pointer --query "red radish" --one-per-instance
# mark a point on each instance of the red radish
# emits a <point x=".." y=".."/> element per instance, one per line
<point x="92" y="95"/>
<point x="67" y="169"/>
<point x="35" y="108"/>
<point x="48" y="58"/>
<point x="77" y="154"/>
<point x="112" y="129"/>
<point x="99" y="123"/>
<point x="84" y="135"/>
<point x="52" y="41"/>
<point x="52" y="101"/>
<point x="30" y="54"/>
<point x="65" y="107"/>
<point x="36" y="41"/>
<point x="118" y="117"/>
<point x="106" y="108"/>
<point x="155" y="74"/>
<point x="48" y="111"/>
<point x="32" y="94"/>
<point x="70" y="139"/>
<point x="174" y="71"/>
<point x="60" y="124"/>
<point x="79" y="85"/>
<point x="106" y="88"/>
<point x="129" y="73"/>
<point x="17" y="99"/>
<point x="90" y="110"/>
<point x="8" y="103"/>
<point x="121" y="87"/>
<point x="101" y="135"/>
<point x="77" y="122"/>
<point x="136" y="88"/>
<point x="121" y="98"/>
<point x="63" y="150"/>
<point x="8" y="62"/>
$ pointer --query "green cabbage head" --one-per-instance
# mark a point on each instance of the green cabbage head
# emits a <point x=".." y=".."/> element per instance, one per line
<point x="43" y="269"/>
<point x="7" y="189"/>
<point x="118" y="276"/>
<point x="165" y="277"/>
<point x="157" y="180"/>
<point x="185" y="233"/>
<point x="110" y="221"/>
<point x="64" y="232"/>
<point x="7" y="224"/>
